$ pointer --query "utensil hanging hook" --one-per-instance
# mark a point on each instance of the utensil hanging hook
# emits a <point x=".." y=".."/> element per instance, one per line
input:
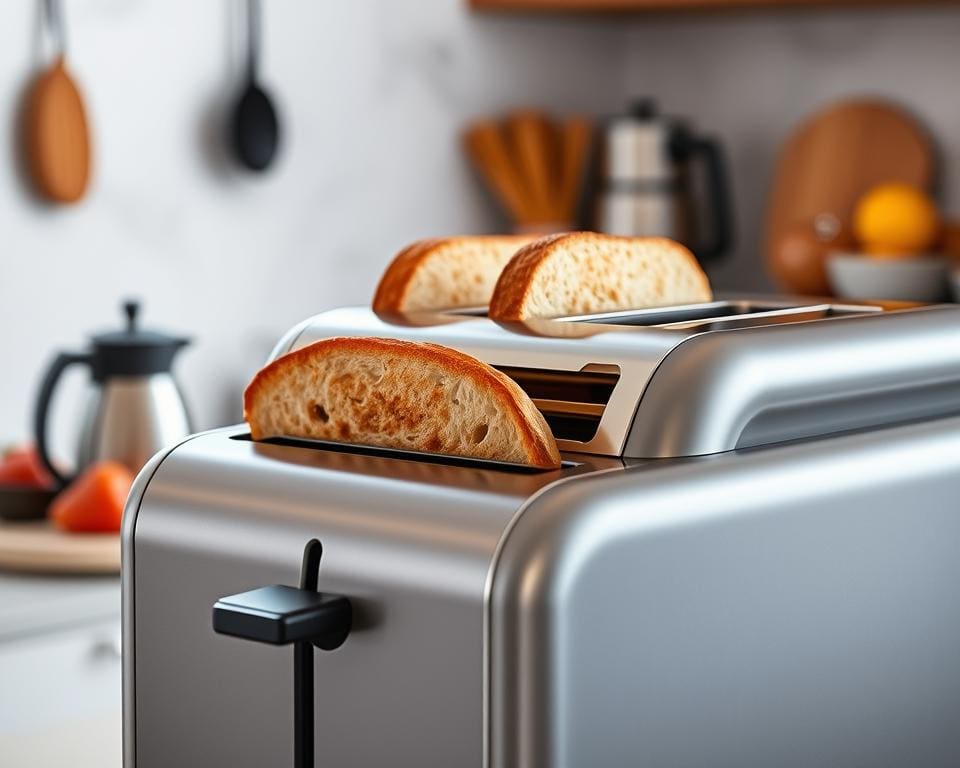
<point x="253" y="39"/>
<point x="254" y="126"/>
<point x="55" y="26"/>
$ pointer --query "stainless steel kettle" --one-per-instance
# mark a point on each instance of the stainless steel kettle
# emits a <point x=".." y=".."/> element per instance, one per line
<point x="646" y="184"/>
<point x="136" y="407"/>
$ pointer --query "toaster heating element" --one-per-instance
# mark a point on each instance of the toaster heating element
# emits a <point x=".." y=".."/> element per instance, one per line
<point x="748" y="558"/>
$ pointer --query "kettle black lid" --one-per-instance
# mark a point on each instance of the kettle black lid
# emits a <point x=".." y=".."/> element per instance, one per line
<point x="132" y="351"/>
<point x="644" y="108"/>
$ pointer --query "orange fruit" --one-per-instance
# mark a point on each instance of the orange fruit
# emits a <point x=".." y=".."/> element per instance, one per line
<point x="896" y="219"/>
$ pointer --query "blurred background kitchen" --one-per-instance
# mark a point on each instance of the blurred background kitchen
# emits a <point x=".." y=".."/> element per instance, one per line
<point x="373" y="99"/>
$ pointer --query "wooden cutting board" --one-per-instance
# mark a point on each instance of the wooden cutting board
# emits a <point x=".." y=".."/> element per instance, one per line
<point x="838" y="154"/>
<point x="38" y="547"/>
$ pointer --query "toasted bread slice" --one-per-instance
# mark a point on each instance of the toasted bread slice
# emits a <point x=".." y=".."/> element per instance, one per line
<point x="445" y="273"/>
<point x="398" y="394"/>
<point x="585" y="272"/>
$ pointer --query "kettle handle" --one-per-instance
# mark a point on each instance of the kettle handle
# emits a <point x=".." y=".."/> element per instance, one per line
<point x="718" y="192"/>
<point x="50" y="379"/>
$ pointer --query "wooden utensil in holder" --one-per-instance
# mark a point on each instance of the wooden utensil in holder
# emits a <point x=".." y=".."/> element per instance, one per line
<point x="533" y="166"/>
<point x="56" y="133"/>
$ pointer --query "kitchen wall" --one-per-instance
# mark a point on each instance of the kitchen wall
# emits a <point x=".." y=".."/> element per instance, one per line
<point x="372" y="93"/>
<point x="751" y="77"/>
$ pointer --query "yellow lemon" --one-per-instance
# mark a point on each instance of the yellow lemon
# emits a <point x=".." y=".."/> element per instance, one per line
<point x="896" y="219"/>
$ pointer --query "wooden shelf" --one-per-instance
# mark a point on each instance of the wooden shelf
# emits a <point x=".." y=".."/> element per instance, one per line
<point x="631" y="6"/>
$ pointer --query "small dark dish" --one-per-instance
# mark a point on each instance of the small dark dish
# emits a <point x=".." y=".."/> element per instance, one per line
<point x="19" y="503"/>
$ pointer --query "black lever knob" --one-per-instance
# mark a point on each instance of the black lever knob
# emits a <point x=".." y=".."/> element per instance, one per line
<point x="280" y="615"/>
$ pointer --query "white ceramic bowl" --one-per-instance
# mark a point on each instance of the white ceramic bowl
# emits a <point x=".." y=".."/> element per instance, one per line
<point x="907" y="278"/>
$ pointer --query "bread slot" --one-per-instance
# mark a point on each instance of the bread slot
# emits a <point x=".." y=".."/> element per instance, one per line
<point x="723" y="315"/>
<point x="393" y="453"/>
<point x="773" y="317"/>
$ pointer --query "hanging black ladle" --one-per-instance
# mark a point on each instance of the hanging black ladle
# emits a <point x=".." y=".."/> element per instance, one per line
<point x="254" y="128"/>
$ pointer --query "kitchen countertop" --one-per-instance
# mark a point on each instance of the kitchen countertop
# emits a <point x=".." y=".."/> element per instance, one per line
<point x="31" y="604"/>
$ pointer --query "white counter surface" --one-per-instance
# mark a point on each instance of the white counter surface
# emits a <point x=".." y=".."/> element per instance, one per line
<point x="60" y="667"/>
<point x="32" y="604"/>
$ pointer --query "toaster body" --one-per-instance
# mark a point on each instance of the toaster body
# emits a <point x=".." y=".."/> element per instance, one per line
<point x="409" y="542"/>
<point x="748" y="558"/>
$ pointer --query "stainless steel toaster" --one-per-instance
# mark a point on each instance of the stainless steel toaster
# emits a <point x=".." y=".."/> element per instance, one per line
<point x="750" y="557"/>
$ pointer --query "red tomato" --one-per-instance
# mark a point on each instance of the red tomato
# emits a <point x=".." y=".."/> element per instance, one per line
<point x="93" y="503"/>
<point x="22" y="466"/>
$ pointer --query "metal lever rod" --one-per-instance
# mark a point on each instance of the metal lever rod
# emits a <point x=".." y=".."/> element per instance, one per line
<point x="303" y="715"/>
<point x="303" y="746"/>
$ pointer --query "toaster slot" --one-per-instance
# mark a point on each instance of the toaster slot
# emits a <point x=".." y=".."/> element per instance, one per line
<point x="395" y="453"/>
<point x="467" y="311"/>
<point x="724" y="315"/>
<point x="572" y="402"/>
<point x="681" y="313"/>
<point x="772" y="317"/>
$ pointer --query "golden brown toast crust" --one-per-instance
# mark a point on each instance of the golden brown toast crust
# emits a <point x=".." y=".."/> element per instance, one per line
<point x="394" y="287"/>
<point x="538" y="444"/>
<point x="398" y="275"/>
<point x="518" y="278"/>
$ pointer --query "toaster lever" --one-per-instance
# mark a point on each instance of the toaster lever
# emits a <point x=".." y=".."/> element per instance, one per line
<point x="280" y="615"/>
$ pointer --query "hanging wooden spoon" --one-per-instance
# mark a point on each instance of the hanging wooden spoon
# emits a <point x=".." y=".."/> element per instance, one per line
<point x="254" y="128"/>
<point x="57" y="136"/>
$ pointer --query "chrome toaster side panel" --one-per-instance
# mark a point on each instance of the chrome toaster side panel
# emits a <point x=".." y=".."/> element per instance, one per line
<point x="130" y="512"/>
<point x="759" y="386"/>
<point x="409" y="542"/>
<point x="793" y="606"/>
